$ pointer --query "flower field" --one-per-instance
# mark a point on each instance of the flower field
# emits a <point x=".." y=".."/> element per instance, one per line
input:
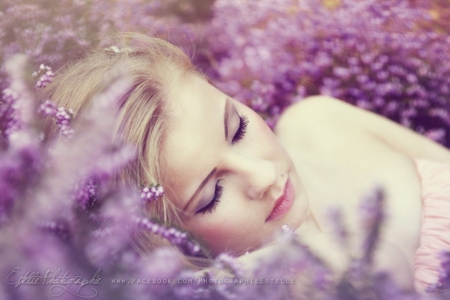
<point x="60" y="210"/>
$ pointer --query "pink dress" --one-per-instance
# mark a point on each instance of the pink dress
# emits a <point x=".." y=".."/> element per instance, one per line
<point x="435" y="232"/>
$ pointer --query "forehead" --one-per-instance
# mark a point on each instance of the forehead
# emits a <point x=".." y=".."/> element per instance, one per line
<point x="195" y="130"/>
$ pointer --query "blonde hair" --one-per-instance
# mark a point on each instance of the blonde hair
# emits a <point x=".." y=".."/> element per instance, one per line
<point x="142" y="111"/>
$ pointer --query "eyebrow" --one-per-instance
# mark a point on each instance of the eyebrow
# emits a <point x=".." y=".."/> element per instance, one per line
<point x="226" y="116"/>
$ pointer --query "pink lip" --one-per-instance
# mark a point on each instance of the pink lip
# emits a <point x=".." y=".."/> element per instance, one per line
<point x="284" y="203"/>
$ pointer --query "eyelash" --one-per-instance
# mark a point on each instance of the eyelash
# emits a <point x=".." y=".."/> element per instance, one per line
<point x="211" y="206"/>
<point x="241" y="130"/>
<point x="240" y="134"/>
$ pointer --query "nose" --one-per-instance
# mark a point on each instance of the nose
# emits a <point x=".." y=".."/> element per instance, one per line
<point x="254" y="175"/>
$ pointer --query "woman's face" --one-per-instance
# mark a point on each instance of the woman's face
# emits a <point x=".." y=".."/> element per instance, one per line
<point x="226" y="170"/>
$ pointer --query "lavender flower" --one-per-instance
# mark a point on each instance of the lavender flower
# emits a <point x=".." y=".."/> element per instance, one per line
<point x="443" y="282"/>
<point x="174" y="236"/>
<point x="84" y="193"/>
<point x="8" y="113"/>
<point x="391" y="57"/>
<point x="55" y="36"/>
<point x="340" y="232"/>
<point x="288" y="230"/>
<point x="19" y="98"/>
<point x="57" y="228"/>
<point x="152" y="193"/>
<point x="63" y="118"/>
<point x="45" y="76"/>
<point x="225" y="260"/>
<point x="377" y="55"/>
<point x="48" y="108"/>
<point x="372" y="216"/>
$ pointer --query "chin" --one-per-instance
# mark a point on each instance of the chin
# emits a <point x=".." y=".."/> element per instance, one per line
<point x="292" y="219"/>
<point x="297" y="214"/>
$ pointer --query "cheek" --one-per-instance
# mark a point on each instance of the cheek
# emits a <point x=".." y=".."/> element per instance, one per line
<point x="233" y="232"/>
<point x="260" y="126"/>
<point x="261" y="139"/>
<point x="221" y="237"/>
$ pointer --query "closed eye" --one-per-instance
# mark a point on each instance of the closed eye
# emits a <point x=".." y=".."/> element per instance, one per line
<point x="211" y="206"/>
<point x="240" y="133"/>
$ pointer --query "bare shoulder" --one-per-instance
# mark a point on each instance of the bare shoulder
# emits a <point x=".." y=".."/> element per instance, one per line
<point x="321" y="114"/>
<point x="315" y="116"/>
<point x="314" y="102"/>
<point x="317" y="108"/>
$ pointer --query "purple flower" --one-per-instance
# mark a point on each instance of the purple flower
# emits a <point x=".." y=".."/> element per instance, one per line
<point x="443" y="282"/>
<point x="174" y="236"/>
<point x="48" y="108"/>
<point x="340" y="232"/>
<point x="225" y="260"/>
<point x="59" y="207"/>
<point x="152" y="193"/>
<point x="288" y="230"/>
<point x="372" y="216"/>
<point x="63" y="119"/>
<point x="45" y="76"/>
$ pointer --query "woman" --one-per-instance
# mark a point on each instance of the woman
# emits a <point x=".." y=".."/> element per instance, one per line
<point x="232" y="183"/>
